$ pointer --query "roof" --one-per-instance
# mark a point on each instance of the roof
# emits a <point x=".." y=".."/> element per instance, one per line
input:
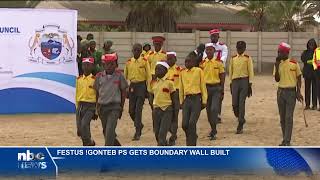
<point x="99" y="11"/>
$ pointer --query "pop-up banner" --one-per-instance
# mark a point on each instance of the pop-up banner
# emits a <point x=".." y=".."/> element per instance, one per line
<point x="38" y="60"/>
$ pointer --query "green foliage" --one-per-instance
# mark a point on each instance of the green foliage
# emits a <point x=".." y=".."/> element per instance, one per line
<point x="18" y="4"/>
<point x="279" y="15"/>
<point x="155" y="16"/>
<point x="98" y="28"/>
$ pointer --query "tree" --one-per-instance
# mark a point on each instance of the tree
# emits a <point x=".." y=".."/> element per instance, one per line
<point x="257" y="11"/>
<point x="291" y="15"/>
<point x="155" y="16"/>
<point x="18" y="4"/>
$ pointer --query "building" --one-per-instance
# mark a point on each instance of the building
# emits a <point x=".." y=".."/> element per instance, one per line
<point x="204" y="16"/>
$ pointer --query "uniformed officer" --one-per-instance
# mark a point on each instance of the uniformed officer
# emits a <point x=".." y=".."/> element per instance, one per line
<point x="173" y="74"/>
<point x="85" y="102"/>
<point x="288" y="74"/>
<point x="309" y="75"/>
<point x="193" y="97"/>
<point x="137" y="71"/>
<point x="110" y="86"/>
<point x="214" y="77"/>
<point x="241" y="76"/>
<point x="155" y="56"/>
<point x="163" y="90"/>
<point x="316" y="67"/>
<point x="221" y="53"/>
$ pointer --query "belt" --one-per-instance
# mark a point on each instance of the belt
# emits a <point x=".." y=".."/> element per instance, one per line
<point x="138" y="82"/>
<point x="213" y="85"/>
<point x="287" y="89"/>
<point x="240" y="78"/>
<point x="193" y="95"/>
<point x="86" y="103"/>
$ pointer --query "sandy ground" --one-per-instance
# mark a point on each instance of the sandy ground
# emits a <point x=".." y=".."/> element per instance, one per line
<point x="262" y="129"/>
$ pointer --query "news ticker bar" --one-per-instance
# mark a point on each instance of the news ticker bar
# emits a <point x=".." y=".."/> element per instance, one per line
<point x="49" y="161"/>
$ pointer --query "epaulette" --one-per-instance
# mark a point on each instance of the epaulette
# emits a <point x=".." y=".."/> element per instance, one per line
<point x="129" y="60"/>
<point x="178" y="68"/>
<point x="293" y="61"/>
<point x="151" y="53"/>
<point x="234" y="56"/>
<point x="203" y="61"/>
<point x="220" y="43"/>
<point x="100" y="74"/>
<point x="79" y="77"/>
<point x="153" y="81"/>
<point x="245" y="55"/>
<point x="164" y="52"/>
<point x="145" y="58"/>
<point x="183" y="69"/>
<point x="93" y="77"/>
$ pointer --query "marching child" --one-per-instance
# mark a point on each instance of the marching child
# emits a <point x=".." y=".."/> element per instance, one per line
<point x="85" y="102"/>
<point x="163" y="103"/>
<point x="193" y="97"/>
<point x="174" y="75"/>
<point x="137" y="71"/>
<point x="110" y="86"/>
<point x="214" y="77"/>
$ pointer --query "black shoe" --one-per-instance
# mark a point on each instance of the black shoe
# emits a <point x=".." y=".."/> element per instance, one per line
<point x="239" y="129"/>
<point x="172" y="140"/>
<point x="92" y="143"/>
<point x="284" y="144"/>
<point x="136" y="137"/>
<point x="319" y="109"/>
<point x="307" y="108"/>
<point x="314" y="108"/>
<point x="213" y="137"/>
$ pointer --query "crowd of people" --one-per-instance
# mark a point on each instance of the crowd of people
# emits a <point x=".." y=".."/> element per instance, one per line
<point x="101" y="88"/>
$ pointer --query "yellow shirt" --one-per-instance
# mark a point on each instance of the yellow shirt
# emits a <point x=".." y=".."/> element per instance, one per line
<point x="137" y="70"/>
<point x="192" y="82"/>
<point x="155" y="57"/>
<point x="162" y="89"/>
<point x="173" y="74"/>
<point x="84" y="89"/>
<point x="212" y="69"/>
<point x="289" y="70"/>
<point x="145" y="54"/>
<point x="241" y="66"/>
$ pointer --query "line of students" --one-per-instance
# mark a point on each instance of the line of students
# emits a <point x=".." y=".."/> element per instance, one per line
<point x="172" y="88"/>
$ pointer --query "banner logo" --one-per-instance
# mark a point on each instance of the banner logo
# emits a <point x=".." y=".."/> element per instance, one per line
<point x="51" y="45"/>
<point x="29" y="160"/>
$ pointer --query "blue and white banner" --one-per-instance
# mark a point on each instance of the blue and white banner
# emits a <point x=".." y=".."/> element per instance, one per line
<point x="38" y="61"/>
<point x="50" y="161"/>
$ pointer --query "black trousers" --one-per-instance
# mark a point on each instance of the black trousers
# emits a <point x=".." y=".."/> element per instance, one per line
<point x="310" y="91"/>
<point x="137" y="93"/>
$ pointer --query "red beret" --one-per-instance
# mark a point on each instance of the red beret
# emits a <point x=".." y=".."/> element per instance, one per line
<point x="109" y="57"/>
<point x="284" y="47"/>
<point x="159" y="39"/>
<point x="88" y="60"/>
<point x="214" y="31"/>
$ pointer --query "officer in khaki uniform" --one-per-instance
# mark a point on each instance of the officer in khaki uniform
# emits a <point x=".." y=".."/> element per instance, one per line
<point x="155" y="56"/>
<point x="241" y="75"/>
<point x="110" y="86"/>
<point x="193" y="97"/>
<point x="214" y="76"/>
<point x="173" y="74"/>
<point x="288" y="74"/>
<point x="85" y="102"/>
<point x="163" y="91"/>
<point x="137" y="71"/>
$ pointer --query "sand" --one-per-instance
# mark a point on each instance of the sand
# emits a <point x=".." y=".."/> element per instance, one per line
<point x="262" y="129"/>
